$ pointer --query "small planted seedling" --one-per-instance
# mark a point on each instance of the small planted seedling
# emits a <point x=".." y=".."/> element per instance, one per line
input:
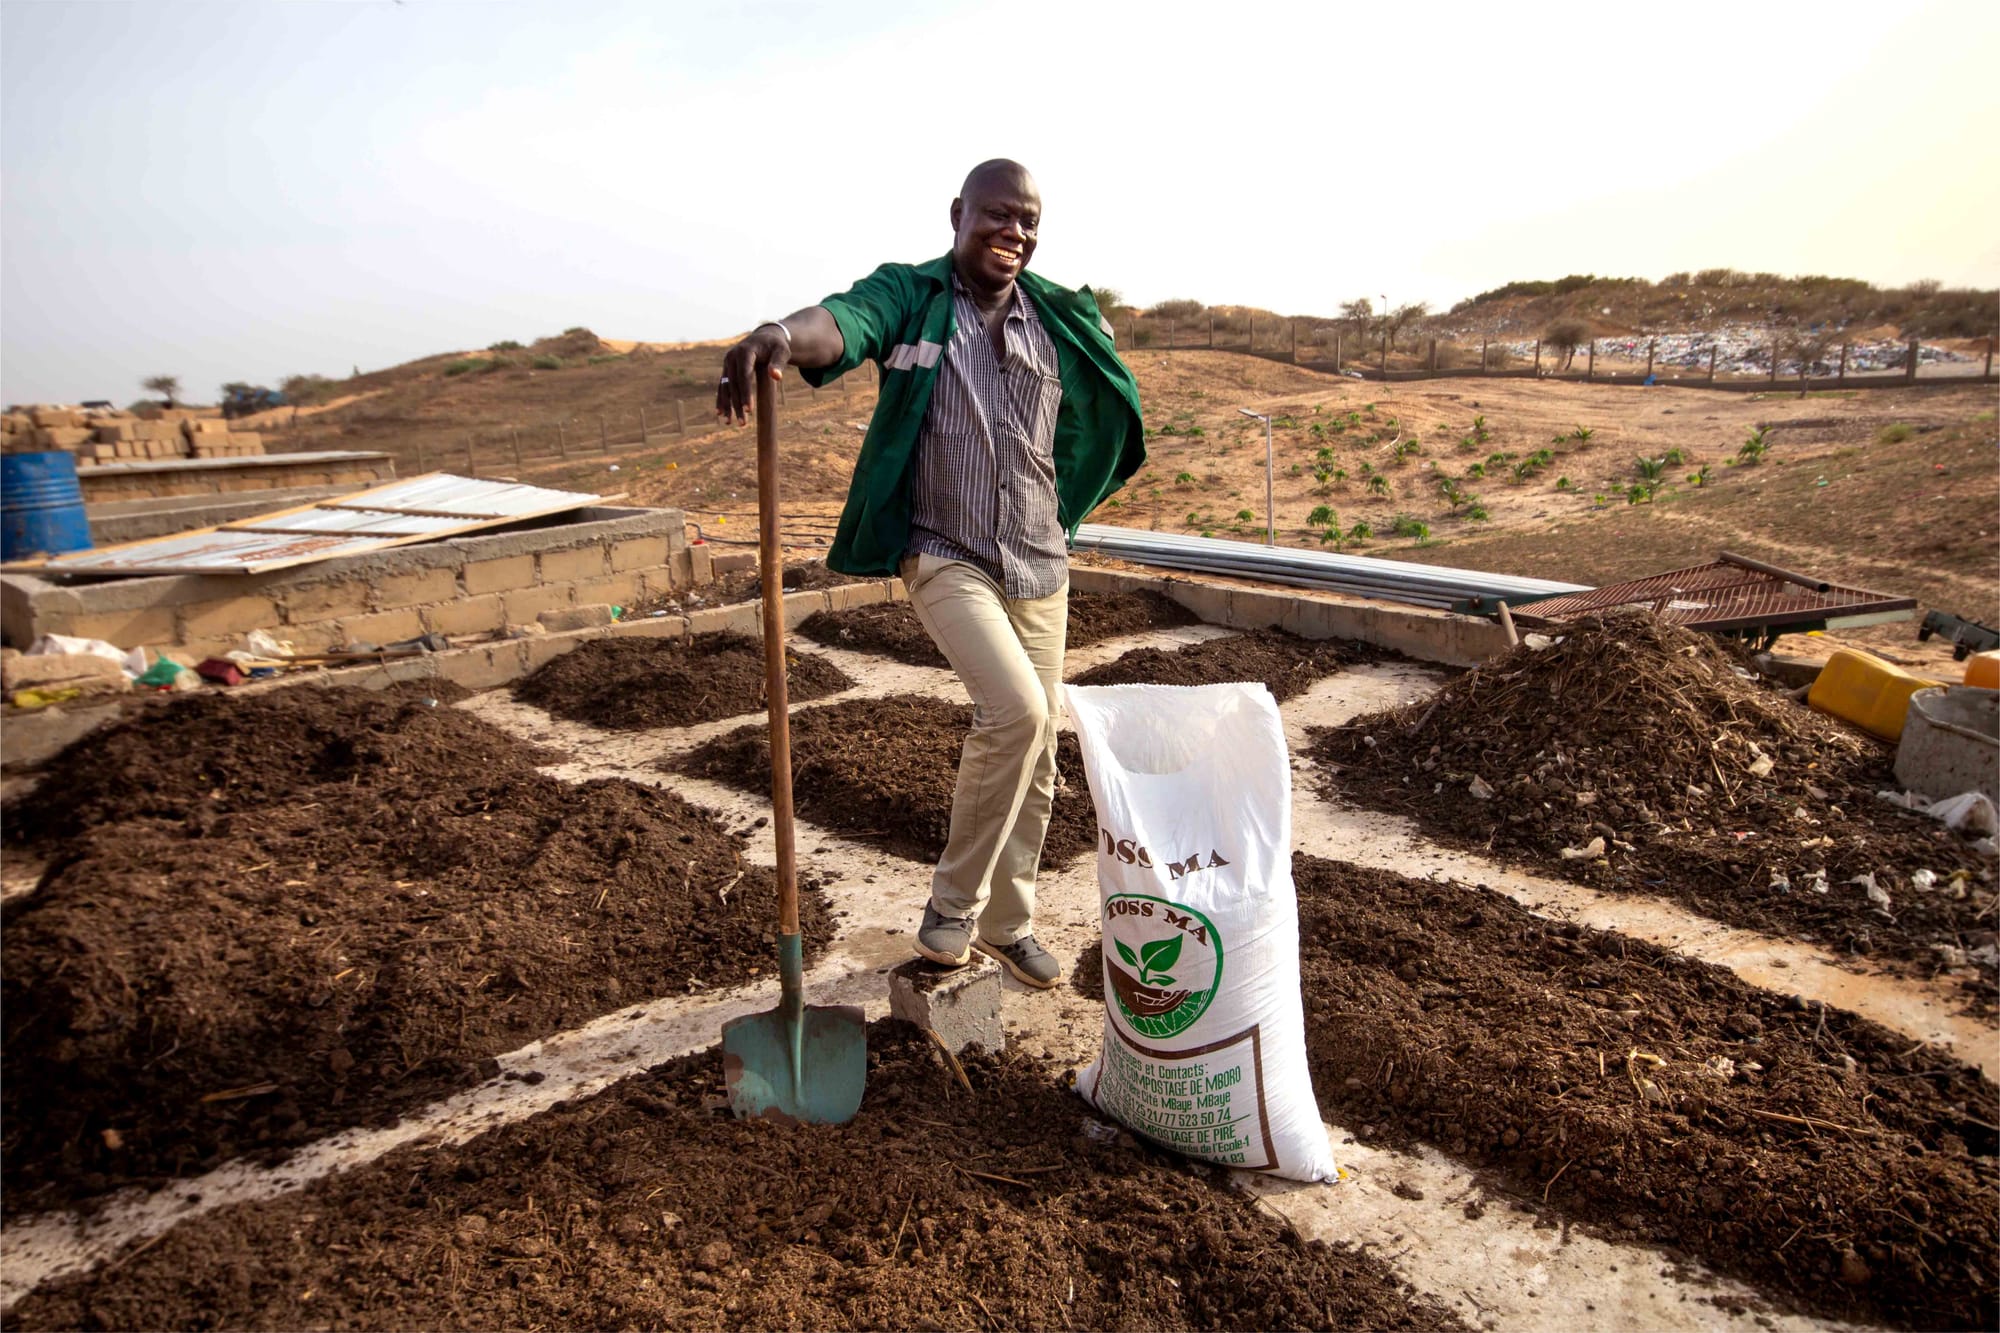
<point x="1582" y="434"/>
<point x="1322" y="516"/>
<point x="1183" y="478"/>
<point x="1753" y="449"/>
<point x="1477" y="511"/>
<point x="1700" y="478"/>
<point x="1360" y="532"/>
<point x="1379" y="485"/>
<point x="1565" y="484"/>
<point x="1674" y="457"/>
<point x="1650" y="469"/>
<point x="1404" y="525"/>
<point x="1244" y="516"/>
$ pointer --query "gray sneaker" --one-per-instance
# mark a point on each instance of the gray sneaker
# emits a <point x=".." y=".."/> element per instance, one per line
<point x="1030" y="963"/>
<point x="945" y="939"/>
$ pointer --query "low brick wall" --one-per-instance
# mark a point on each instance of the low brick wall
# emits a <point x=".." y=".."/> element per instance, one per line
<point x="463" y="586"/>
<point x="229" y="476"/>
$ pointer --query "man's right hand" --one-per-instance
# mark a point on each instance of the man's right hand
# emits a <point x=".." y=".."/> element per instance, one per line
<point x="767" y="351"/>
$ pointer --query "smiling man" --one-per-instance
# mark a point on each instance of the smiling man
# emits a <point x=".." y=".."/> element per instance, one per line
<point x="1005" y="417"/>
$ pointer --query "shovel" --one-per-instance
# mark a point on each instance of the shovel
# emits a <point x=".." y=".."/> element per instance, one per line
<point x="797" y="1063"/>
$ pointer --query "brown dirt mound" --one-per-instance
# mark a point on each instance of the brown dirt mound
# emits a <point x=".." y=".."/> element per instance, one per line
<point x="1286" y="663"/>
<point x="1087" y="977"/>
<point x="1096" y="616"/>
<point x="893" y="630"/>
<point x="883" y="770"/>
<point x="632" y="684"/>
<point x="642" y="1207"/>
<point x="746" y="585"/>
<point x="890" y="630"/>
<point x="1657" y="1096"/>
<point x="365" y="904"/>
<point x="1644" y="735"/>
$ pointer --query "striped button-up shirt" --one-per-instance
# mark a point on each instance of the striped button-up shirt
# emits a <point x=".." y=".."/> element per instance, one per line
<point x="985" y="485"/>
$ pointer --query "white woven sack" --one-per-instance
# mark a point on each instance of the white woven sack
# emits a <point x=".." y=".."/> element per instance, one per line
<point x="1204" y="1033"/>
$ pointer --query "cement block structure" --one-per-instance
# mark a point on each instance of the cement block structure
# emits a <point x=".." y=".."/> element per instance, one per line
<point x="476" y="584"/>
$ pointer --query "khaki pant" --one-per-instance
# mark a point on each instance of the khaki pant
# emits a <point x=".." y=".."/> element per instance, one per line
<point x="1009" y="654"/>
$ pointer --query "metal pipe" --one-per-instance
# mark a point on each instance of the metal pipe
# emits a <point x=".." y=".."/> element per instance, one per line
<point x="1745" y="562"/>
<point x="1270" y="513"/>
<point x="1254" y="561"/>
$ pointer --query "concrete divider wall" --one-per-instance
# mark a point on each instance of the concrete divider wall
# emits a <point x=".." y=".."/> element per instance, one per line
<point x="460" y="586"/>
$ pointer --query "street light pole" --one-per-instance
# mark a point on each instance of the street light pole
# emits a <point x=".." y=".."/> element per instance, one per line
<point x="1270" y="513"/>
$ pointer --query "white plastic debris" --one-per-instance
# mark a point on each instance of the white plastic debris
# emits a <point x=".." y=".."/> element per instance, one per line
<point x="1478" y="788"/>
<point x="61" y="645"/>
<point x="1762" y="766"/>
<point x="1818" y="882"/>
<point x="1967" y="812"/>
<point x="1923" y="881"/>
<point x="1876" y="893"/>
<point x="1590" y="851"/>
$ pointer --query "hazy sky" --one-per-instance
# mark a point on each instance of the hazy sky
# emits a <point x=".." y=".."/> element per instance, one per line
<point x="249" y="190"/>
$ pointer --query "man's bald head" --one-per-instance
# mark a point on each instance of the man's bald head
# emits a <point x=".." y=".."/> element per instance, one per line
<point x="1002" y="169"/>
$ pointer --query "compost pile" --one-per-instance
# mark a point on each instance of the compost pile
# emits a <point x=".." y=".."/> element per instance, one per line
<point x="1635" y="755"/>
<point x="888" y="629"/>
<point x="1285" y="663"/>
<point x="267" y="917"/>
<point x="1800" y="1148"/>
<point x="633" y="684"/>
<point x="1005" y="1206"/>
<point x="883" y="770"/>
<point x="892" y="629"/>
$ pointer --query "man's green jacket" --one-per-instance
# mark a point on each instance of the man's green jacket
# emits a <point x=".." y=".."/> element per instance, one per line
<point x="900" y="317"/>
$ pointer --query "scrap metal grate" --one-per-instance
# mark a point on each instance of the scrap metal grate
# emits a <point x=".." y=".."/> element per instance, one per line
<point x="1732" y="593"/>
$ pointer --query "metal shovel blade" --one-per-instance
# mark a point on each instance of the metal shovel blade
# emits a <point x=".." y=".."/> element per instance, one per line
<point x="798" y="1063"/>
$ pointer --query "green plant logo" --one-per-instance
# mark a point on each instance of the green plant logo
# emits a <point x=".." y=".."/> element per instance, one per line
<point x="1162" y="963"/>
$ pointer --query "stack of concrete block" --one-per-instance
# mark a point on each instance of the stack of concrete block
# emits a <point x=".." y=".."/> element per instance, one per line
<point x="111" y="436"/>
<point x="40" y="429"/>
<point x="210" y="437"/>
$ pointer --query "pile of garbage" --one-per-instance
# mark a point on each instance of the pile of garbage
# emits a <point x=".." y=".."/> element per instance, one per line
<point x="1744" y="349"/>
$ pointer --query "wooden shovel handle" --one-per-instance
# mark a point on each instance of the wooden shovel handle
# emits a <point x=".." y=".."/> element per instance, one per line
<point x="771" y="578"/>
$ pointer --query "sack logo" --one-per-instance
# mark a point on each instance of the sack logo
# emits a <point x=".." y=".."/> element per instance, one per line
<point x="1163" y="962"/>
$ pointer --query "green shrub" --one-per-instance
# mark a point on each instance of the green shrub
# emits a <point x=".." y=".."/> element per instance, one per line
<point x="461" y="367"/>
<point x="505" y="345"/>
<point x="1322" y="516"/>
<point x="1894" y="434"/>
<point x="602" y="357"/>
<point x="1244" y="516"/>
<point x="1405" y="525"/>
<point x="547" y="363"/>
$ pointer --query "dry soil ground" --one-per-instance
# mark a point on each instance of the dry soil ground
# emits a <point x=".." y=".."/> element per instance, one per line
<point x="1557" y="1106"/>
<point x="1896" y="490"/>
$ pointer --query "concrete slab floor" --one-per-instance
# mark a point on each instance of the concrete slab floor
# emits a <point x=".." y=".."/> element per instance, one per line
<point x="1499" y="1269"/>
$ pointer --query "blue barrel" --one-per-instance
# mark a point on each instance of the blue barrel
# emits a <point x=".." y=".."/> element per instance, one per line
<point x="41" y="506"/>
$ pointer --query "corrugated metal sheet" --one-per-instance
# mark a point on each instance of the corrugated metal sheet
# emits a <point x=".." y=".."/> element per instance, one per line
<point x="1729" y="594"/>
<point x="422" y="508"/>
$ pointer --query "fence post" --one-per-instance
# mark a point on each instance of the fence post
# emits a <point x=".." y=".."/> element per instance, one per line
<point x="1292" y="326"/>
<point x="1211" y="330"/>
<point x="1711" y="363"/>
<point x="1843" y="363"/>
<point x="517" y="448"/>
<point x="1538" y="358"/>
<point x="603" y="438"/>
<point x="1590" y="366"/>
<point x="1651" y="343"/>
<point x="1774" y="360"/>
<point x="562" y="441"/>
<point x="1434" y="356"/>
<point x="471" y="465"/>
<point x="1385" y="356"/>
<point x="1336" y="351"/>
<point x="1170" y="336"/>
<point x="680" y="422"/>
<point x="1910" y="365"/>
<point x="644" y="436"/>
<point x="1482" y="356"/>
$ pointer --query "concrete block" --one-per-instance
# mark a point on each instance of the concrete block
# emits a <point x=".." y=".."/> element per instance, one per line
<point x="502" y="575"/>
<point x="485" y="666"/>
<point x="742" y="618"/>
<point x="416" y="588"/>
<point x="20" y="672"/>
<point x="961" y="1005"/>
<point x="622" y="590"/>
<point x="65" y="437"/>
<point x="465" y="615"/>
<point x="30" y="740"/>
<point x="800" y="605"/>
<point x="576" y="617"/>
<point x="325" y="601"/>
<point x="524" y="606"/>
<point x="110" y="432"/>
<point x="639" y="553"/>
<point x="701" y="563"/>
<point x="383" y="626"/>
<point x="229" y="617"/>
<point x="730" y="562"/>
<point x="544" y="648"/>
<point x="850" y="595"/>
<point x="572" y="566"/>
<point x="127" y="629"/>
<point x="249" y="441"/>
